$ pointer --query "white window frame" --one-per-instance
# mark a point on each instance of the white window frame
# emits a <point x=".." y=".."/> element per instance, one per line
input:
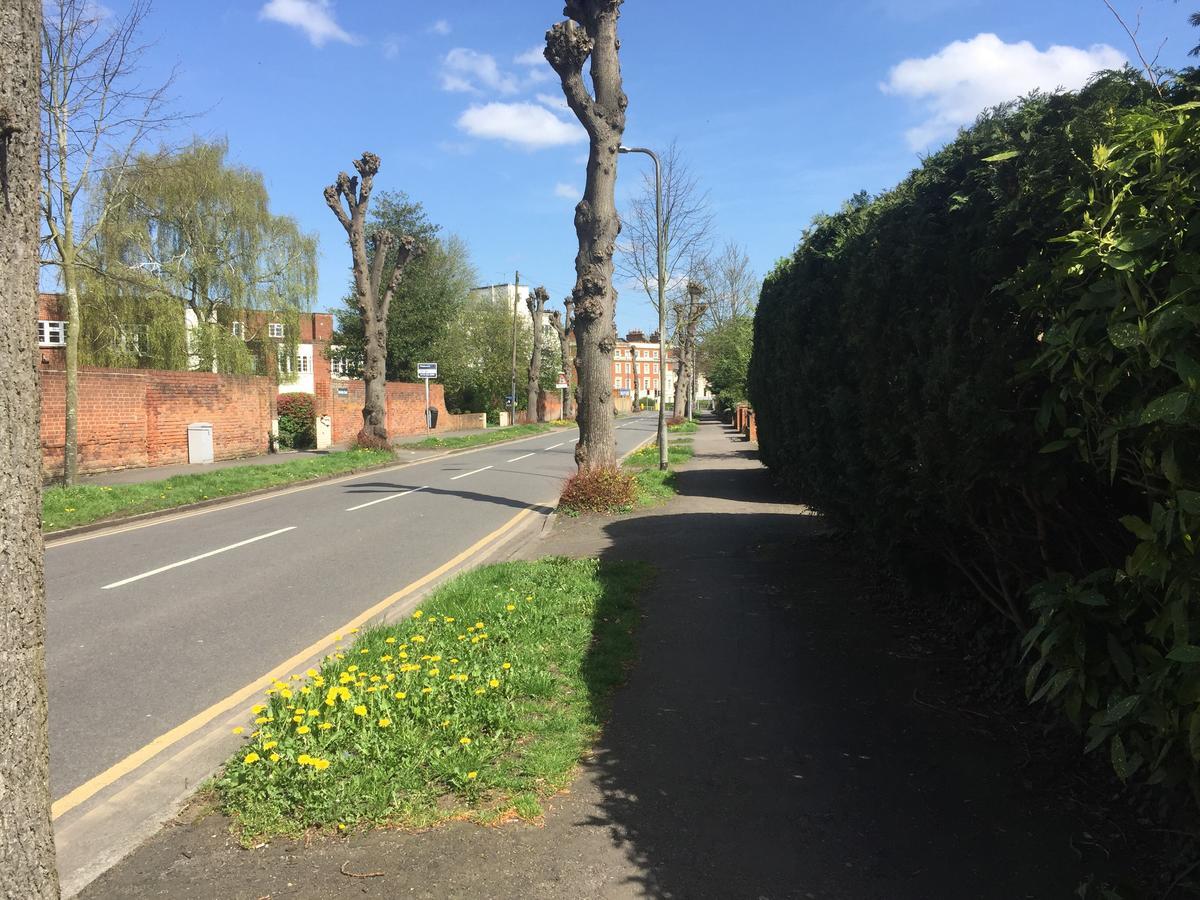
<point x="275" y="330"/>
<point x="284" y="360"/>
<point x="238" y="330"/>
<point x="303" y="363"/>
<point x="52" y="333"/>
<point x="130" y="339"/>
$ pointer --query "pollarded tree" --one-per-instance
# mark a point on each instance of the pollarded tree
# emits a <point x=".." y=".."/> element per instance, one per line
<point x="564" y="327"/>
<point x="348" y="198"/>
<point x="537" y="312"/>
<point x="590" y="32"/>
<point x="26" y="840"/>
<point x="688" y="315"/>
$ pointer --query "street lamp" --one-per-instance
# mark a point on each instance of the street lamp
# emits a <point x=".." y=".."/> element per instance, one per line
<point x="662" y="305"/>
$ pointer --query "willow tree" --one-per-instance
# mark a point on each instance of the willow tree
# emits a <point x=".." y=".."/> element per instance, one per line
<point x="590" y="32"/>
<point x="96" y="114"/>
<point x="348" y="198"/>
<point x="536" y="301"/>
<point x="26" y="839"/>
<point x="189" y="244"/>
<point x="564" y="327"/>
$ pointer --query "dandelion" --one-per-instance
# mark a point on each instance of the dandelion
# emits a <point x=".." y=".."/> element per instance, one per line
<point x="250" y="758"/>
<point x="303" y="729"/>
<point x="471" y="776"/>
<point x="418" y="614"/>
<point x="262" y="719"/>
<point x="364" y="650"/>
<point x="341" y="826"/>
<point x="258" y="707"/>
<point x="506" y="666"/>
<point x="312" y="673"/>
<point x="478" y="624"/>
<point x="480" y="691"/>
<point x="314" y="712"/>
<point x="360" y="710"/>
<point x="400" y="695"/>
<point x="304" y="759"/>
<point x="274" y="757"/>
<point x="320" y="764"/>
<point x="325" y="726"/>
<point x="464" y="741"/>
<point x="447" y="619"/>
<point x="267" y="745"/>
<point x="511" y="607"/>
<point x="390" y="640"/>
<point x="495" y="682"/>
<point x="426" y="690"/>
<point x="418" y="639"/>
<point x="238" y="730"/>
<point x="384" y="722"/>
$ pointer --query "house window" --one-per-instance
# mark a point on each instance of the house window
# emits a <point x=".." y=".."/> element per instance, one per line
<point x="275" y="330"/>
<point x="239" y="330"/>
<point x="285" y="361"/>
<point x="338" y="368"/>
<point x="616" y="382"/>
<point x="51" y="333"/>
<point x="302" y="364"/>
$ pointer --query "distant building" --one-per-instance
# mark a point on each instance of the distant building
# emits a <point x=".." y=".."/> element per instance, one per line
<point x="504" y="294"/>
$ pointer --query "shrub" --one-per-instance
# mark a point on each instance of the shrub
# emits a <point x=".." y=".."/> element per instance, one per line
<point x="604" y="490"/>
<point x="297" y="420"/>
<point x="997" y="365"/>
<point x="675" y="421"/>
<point x="366" y="440"/>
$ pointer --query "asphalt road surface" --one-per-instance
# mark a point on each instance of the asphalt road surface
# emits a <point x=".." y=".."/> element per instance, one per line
<point x="149" y="626"/>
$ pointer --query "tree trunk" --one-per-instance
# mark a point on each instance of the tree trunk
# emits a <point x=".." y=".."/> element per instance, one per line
<point x="564" y="326"/>
<point x="681" y="377"/>
<point x="27" y="868"/>
<point x="373" y="298"/>
<point x="591" y="32"/>
<point x="71" y="377"/>
<point x="537" y="308"/>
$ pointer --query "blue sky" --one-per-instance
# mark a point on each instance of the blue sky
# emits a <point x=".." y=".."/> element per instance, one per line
<point x="782" y="108"/>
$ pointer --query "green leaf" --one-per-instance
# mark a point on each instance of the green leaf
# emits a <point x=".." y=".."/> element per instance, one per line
<point x="1118" y="711"/>
<point x="1138" y="527"/>
<point x="1169" y="407"/>
<point x="1189" y="370"/>
<point x="1055" y="446"/>
<point x="1001" y="157"/>
<point x="1124" y="335"/>
<point x="1185" y="653"/>
<point x="1189" y="502"/>
<point x="1119" y="763"/>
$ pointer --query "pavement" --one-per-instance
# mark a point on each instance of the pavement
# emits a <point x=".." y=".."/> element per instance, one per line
<point x="163" y="632"/>
<point x="158" y="473"/>
<point x="781" y="735"/>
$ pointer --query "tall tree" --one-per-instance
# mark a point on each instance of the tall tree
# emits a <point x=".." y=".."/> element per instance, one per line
<point x="427" y="300"/>
<point x="688" y="315"/>
<point x="26" y="840"/>
<point x="348" y="198"/>
<point x="564" y="327"/>
<point x="686" y="227"/>
<point x="190" y="231"/>
<point x="731" y="287"/>
<point x="590" y="31"/>
<point x="536" y="301"/>
<point x="95" y="114"/>
<point x="474" y="354"/>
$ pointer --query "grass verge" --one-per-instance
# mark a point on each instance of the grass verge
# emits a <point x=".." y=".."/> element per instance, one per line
<point x="67" y="507"/>
<point x="508" y="433"/>
<point x="477" y="707"/>
<point x="687" y="426"/>
<point x="678" y="451"/>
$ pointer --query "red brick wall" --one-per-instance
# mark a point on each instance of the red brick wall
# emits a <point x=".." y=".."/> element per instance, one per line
<point x="139" y="417"/>
<point x="406" y="409"/>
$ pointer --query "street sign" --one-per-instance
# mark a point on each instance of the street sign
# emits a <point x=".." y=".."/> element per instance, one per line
<point x="562" y="381"/>
<point x="427" y="370"/>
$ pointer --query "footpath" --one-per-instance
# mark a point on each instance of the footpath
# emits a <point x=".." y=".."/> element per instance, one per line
<point x="781" y="735"/>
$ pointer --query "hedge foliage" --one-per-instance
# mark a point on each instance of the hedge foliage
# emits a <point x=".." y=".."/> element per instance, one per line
<point x="297" y="420"/>
<point x="993" y="370"/>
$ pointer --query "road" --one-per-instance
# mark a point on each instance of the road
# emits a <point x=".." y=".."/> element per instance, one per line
<point x="151" y="625"/>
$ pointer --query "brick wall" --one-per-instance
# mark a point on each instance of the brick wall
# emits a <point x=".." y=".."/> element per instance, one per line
<point x="139" y="417"/>
<point x="406" y="409"/>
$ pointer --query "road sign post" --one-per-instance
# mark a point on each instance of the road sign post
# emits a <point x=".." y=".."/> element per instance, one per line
<point x="427" y="371"/>
<point x="562" y="386"/>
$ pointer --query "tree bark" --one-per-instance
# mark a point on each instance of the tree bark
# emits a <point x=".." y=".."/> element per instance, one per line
<point x="590" y="31"/>
<point x="537" y="308"/>
<point x="688" y="317"/>
<point x="565" y="327"/>
<point x="373" y="298"/>
<point x="27" y="867"/>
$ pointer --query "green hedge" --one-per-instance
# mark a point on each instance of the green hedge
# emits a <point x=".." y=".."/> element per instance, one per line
<point x="297" y="420"/>
<point x="990" y="372"/>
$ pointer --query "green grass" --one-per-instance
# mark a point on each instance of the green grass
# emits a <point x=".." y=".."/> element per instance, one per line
<point x="479" y="706"/>
<point x="687" y="426"/>
<point x="654" y="486"/>
<point x="678" y="451"/>
<point x="479" y="440"/>
<point x="66" y="507"/>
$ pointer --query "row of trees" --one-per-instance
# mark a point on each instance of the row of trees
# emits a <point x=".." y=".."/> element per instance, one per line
<point x="991" y="372"/>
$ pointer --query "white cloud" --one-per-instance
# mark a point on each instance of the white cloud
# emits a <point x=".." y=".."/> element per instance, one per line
<point x="441" y="26"/>
<point x="531" y="57"/>
<point x="391" y="46"/>
<point x="567" y="191"/>
<point x="313" y="17"/>
<point x="554" y="101"/>
<point x="473" y="72"/>
<point x="966" y="77"/>
<point x="526" y="124"/>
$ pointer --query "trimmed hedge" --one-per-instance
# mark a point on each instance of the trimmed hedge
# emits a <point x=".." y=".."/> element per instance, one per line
<point x="992" y="372"/>
<point x="297" y="420"/>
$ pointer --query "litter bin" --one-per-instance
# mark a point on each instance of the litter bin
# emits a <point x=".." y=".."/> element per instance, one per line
<point x="431" y="415"/>
<point x="200" y="442"/>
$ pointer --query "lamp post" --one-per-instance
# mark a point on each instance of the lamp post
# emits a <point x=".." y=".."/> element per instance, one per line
<point x="662" y="305"/>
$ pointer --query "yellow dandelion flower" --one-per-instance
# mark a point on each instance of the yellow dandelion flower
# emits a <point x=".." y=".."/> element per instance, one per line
<point x="471" y="776"/>
<point x="418" y="614"/>
<point x="418" y="638"/>
<point x="258" y="707"/>
<point x="387" y="658"/>
<point x="274" y="757"/>
<point x="267" y="745"/>
<point x="390" y="678"/>
<point x="364" y="650"/>
<point x="303" y="759"/>
<point x="447" y="619"/>
<point x="311" y="673"/>
<point x="385" y="722"/>
<point x="495" y="682"/>
<point x="390" y="640"/>
<point x="325" y="726"/>
<point x="285" y="694"/>
<point x="303" y="729"/>
<point x="360" y="710"/>
<point x="250" y="758"/>
<point x="426" y="690"/>
<point x="341" y="827"/>
<point x="238" y="730"/>
<point x="261" y="719"/>
<point x="480" y="690"/>
<point x="464" y="741"/>
<point x="510" y="607"/>
<point x="314" y="712"/>
<point x="431" y="673"/>
<point x="351" y="668"/>
<point x="320" y="764"/>
<point x="506" y="666"/>
<point x="400" y="695"/>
